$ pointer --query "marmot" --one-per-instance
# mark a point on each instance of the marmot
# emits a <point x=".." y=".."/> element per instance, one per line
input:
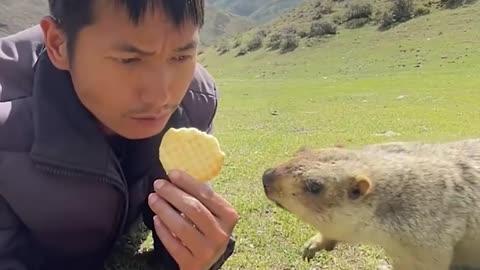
<point x="420" y="202"/>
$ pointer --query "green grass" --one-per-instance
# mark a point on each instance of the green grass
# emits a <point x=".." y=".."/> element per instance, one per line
<point x="345" y="91"/>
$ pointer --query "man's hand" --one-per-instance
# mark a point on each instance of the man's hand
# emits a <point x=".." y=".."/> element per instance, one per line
<point x="193" y="222"/>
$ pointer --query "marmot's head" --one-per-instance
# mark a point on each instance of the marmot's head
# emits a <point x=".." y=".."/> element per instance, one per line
<point x="326" y="187"/>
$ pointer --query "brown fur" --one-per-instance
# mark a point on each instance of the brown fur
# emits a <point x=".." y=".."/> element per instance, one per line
<point x="420" y="202"/>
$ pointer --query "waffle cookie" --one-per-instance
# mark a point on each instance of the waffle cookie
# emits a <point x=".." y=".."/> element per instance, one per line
<point x="192" y="151"/>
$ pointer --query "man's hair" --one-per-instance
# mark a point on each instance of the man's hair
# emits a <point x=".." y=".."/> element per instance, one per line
<point x="73" y="15"/>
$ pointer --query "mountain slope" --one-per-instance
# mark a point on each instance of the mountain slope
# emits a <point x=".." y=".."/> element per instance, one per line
<point x="320" y="21"/>
<point x="444" y="40"/>
<point x="261" y="11"/>
<point x="219" y="24"/>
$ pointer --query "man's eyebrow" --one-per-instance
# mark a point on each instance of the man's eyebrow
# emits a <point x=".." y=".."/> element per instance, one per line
<point x="191" y="45"/>
<point x="129" y="48"/>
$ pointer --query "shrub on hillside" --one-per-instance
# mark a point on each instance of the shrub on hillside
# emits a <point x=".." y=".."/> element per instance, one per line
<point x="358" y="10"/>
<point x="285" y="42"/>
<point x="421" y="11"/>
<point x="255" y="42"/>
<point x="337" y="18"/>
<point x="399" y="11"/>
<point x="456" y="3"/>
<point x="324" y="7"/>
<point x="289" y="30"/>
<point x="357" y="23"/>
<point x="288" y="43"/>
<point x="402" y="10"/>
<point x="387" y="20"/>
<point x="273" y="41"/>
<point x="322" y="28"/>
<point x="317" y="15"/>
<point x="236" y="43"/>
<point x="223" y="48"/>
<point x="261" y="33"/>
<point x="302" y="34"/>
<point x="241" y="52"/>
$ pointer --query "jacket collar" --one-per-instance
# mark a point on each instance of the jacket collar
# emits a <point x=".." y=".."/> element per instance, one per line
<point x="66" y="133"/>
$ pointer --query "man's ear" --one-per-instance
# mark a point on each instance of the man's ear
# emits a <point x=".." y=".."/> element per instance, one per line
<point x="360" y="186"/>
<point x="55" y="43"/>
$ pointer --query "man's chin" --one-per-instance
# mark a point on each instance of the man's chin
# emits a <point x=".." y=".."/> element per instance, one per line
<point x="139" y="133"/>
<point x="137" y="136"/>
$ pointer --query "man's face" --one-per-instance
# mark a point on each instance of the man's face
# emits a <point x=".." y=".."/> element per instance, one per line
<point x="132" y="78"/>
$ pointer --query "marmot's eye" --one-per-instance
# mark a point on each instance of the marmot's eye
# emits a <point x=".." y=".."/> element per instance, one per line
<point x="313" y="187"/>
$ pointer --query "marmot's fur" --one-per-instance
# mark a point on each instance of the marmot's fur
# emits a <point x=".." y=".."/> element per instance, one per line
<point x="420" y="202"/>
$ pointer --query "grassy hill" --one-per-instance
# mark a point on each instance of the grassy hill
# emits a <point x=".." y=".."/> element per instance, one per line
<point x="261" y="11"/>
<point x="318" y="21"/>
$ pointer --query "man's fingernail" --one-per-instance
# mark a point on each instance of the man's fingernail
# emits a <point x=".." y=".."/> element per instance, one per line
<point x="156" y="221"/>
<point x="152" y="198"/>
<point x="159" y="184"/>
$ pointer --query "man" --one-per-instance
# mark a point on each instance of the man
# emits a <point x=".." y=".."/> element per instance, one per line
<point x="85" y="98"/>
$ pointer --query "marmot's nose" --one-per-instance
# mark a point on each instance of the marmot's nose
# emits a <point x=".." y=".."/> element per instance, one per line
<point x="268" y="176"/>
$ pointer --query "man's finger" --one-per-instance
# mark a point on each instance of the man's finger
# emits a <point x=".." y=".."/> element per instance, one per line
<point x="176" y="224"/>
<point x="192" y="208"/>
<point x="220" y="207"/>
<point x="178" y="251"/>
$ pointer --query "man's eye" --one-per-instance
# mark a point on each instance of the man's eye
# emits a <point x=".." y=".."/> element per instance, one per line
<point x="128" y="60"/>
<point x="182" y="58"/>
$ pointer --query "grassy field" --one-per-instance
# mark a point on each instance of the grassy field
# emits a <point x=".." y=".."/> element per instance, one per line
<point x="419" y="80"/>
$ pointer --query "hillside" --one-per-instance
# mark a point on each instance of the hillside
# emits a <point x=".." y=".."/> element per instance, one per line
<point x="321" y="21"/>
<point x="16" y="15"/>
<point x="219" y="24"/>
<point x="260" y="11"/>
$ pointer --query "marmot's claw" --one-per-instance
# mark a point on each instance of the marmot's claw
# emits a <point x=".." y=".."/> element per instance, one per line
<point x="309" y="250"/>
<point x="308" y="254"/>
<point x="316" y="244"/>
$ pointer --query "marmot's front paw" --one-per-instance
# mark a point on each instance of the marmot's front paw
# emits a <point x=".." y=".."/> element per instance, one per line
<point x="316" y="244"/>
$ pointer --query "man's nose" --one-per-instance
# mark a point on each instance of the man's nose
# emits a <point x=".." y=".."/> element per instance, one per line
<point x="268" y="176"/>
<point x="155" y="86"/>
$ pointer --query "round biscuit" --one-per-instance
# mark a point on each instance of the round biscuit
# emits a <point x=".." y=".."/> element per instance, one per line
<point x="192" y="151"/>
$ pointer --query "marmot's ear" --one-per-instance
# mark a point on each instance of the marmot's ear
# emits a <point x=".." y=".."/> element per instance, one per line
<point x="360" y="186"/>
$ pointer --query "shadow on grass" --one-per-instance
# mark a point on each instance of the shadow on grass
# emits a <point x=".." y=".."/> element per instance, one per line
<point x="131" y="252"/>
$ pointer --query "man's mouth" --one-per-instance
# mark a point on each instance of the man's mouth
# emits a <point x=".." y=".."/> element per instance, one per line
<point x="148" y="117"/>
<point x="150" y="120"/>
<point x="151" y="116"/>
